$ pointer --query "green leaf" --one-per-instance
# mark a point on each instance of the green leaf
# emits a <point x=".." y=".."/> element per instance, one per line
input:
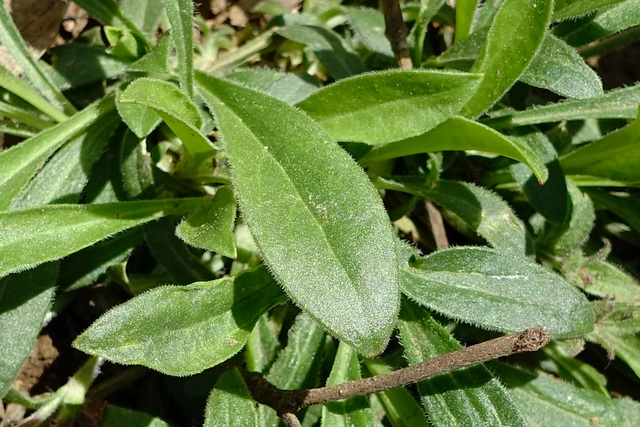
<point x="613" y="157"/>
<point x="625" y="347"/>
<point x="288" y="87"/>
<point x="403" y="104"/>
<point x="212" y="227"/>
<point x="37" y="235"/>
<point x="470" y="396"/>
<point x="496" y="59"/>
<point x="327" y="45"/>
<point x="156" y="60"/>
<point x="145" y="14"/>
<point x="605" y="22"/>
<point x="25" y="300"/>
<point x="136" y="166"/>
<point x="77" y="64"/>
<point x="496" y="290"/>
<point x="563" y="239"/>
<point x="63" y="177"/>
<point x="575" y="371"/>
<point x="559" y="68"/>
<point x="428" y="9"/>
<point x="356" y="411"/>
<point x="551" y="199"/>
<point x="625" y="206"/>
<point x="115" y="416"/>
<point x="478" y="209"/>
<point x="178" y="259"/>
<point x="465" y="10"/>
<point x="13" y="84"/>
<point x="620" y="103"/>
<point x="183" y="330"/>
<point x="174" y="107"/>
<point x="262" y="346"/>
<point x="19" y="163"/>
<point x="400" y="407"/>
<point x="369" y="26"/>
<point x="230" y="403"/>
<point x="17" y="49"/>
<point x="458" y="133"/>
<point x="605" y="280"/>
<point x="317" y="219"/>
<point x="180" y="19"/>
<point x="546" y="401"/>
<point x="574" y="8"/>
<point x="297" y="364"/>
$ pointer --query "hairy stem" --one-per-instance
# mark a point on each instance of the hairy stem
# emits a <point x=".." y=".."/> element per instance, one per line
<point x="288" y="402"/>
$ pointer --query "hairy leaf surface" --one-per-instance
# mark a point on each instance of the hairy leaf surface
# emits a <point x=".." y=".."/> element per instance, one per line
<point x="183" y="330"/>
<point x="230" y="403"/>
<point x="496" y="290"/>
<point x="317" y="219"/>
<point x="378" y="108"/>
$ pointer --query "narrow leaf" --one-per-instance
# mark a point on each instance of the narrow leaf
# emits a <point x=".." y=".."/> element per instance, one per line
<point x="230" y="403"/>
<point x="575" y="371"/>
<point x="35" y="236"/>
<point x="560" y="69"/>
<point x="401" y="409"/>
<point x="470" y="396"/>
<point x="180" y="19"/>
<point x="614" y="156"/>
<point x="625" y="206"/>
<point x="458" y="133"/>
<point x="369" y="26"/>
<point x="145" y="14"/>
<point x="25" y="300"/>
<point x="465" y="10"/>
<point x="16" y="86"/>
<point x="115" y="416"/>
<point x="262" y="346"/>
<point x="19" y="163"/>
<point x="175" y="108"/>
<point x="488" y="288"/>
<point x="317" y="219"/>
<point x="606" y="22"/>
<point x="616" y="104"/>
<point x="545" y="401"/>
<point x="11" y="39"/>
<point x="403" y="104"/>
<point x="496" y="60"/>
<point x="480" y="210"/>
<point x="356" y="411"/>
<point x="625" y="347"/>
<point x="328" y="46"/>
<point x="288" y="87"/>
<point x="297" y="364"/>
<point x="551" y="199"/>
<point x="212" y="227"/>
<point x="183" y="330"/>
<point x="574" y="8"/>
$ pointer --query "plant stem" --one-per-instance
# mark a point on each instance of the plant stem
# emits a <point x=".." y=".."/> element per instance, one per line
<point x="288" y="402"/>
<point x="396" y="32"/>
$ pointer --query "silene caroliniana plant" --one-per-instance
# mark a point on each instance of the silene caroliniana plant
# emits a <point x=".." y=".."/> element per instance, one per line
<point x="406" y="178"/>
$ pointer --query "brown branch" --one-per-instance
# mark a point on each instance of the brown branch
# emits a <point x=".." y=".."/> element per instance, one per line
<point x="288" y="402"/>
<point x="436" y="225"/>
<point x="396" y="32"/>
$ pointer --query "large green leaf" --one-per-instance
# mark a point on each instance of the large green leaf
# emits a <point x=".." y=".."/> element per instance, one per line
<point x="560" y="69"/>
<point x="470" y="396"/>
<point x="614" y="157"/>
<point x="388" y="106"/>
<point x="505" y="57"/>
<point x="230" y="403"/>
<point x="356" y="411"/>
<point x="458" y="133"/>
<point x="475" y="209"/>
<point x="212" y="227"/>
<point x="547" y="402"/>
<point x="37" y="235"/>
<point x="175" y="108"/>
<point x="19" y="163"/>
<point x="495" y="290"/>
<point x="317" y="219"/>
<point x="288" y="87"/>
<point x="620" y="103"/>
<point x="183" y="330"/>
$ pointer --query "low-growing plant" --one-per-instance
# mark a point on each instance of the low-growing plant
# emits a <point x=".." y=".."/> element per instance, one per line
<point x="406" y="178"/>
